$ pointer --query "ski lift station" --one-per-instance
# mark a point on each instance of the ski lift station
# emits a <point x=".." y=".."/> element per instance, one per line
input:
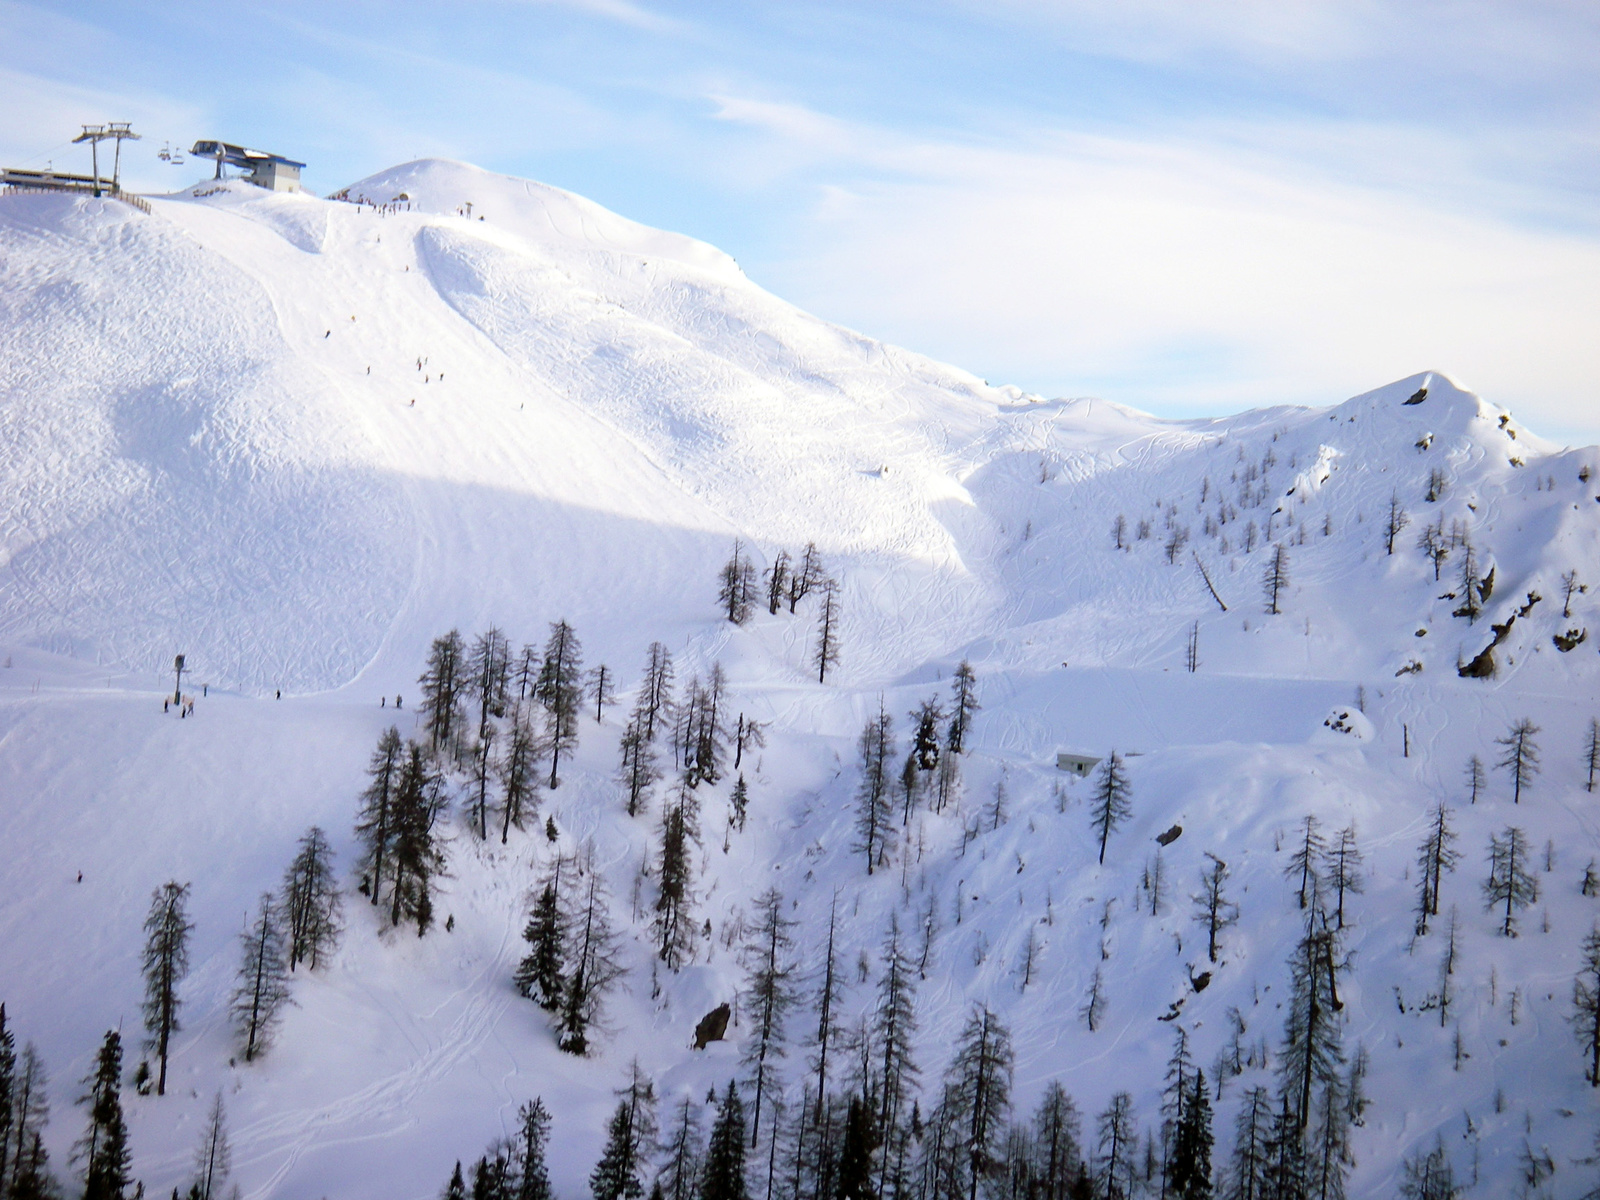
<point x="1079" y="764"/>
<point x="271" y="171"/>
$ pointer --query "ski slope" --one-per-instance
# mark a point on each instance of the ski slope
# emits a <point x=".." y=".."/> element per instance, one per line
<point x="295" y="439"/>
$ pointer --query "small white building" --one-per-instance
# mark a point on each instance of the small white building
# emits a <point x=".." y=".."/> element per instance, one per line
<point x="1079" y="764"/>
<point x="271" y="171"/>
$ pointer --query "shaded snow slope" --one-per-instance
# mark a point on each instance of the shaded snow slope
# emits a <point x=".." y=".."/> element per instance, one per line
<point x="295" y="439"/>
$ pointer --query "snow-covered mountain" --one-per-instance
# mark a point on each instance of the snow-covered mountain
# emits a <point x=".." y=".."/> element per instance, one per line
<point x="296" y="439"/>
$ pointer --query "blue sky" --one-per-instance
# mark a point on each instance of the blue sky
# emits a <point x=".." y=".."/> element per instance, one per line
<point x="1188" y="207"/>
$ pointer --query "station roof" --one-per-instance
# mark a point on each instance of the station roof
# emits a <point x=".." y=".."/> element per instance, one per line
<point x="239" y="156"/>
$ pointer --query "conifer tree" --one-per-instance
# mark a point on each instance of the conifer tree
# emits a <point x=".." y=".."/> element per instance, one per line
<point x="1435" y="857"/>
<point x="263" y="987"/>
<point x="1312" y="1054"/>
<point x="736" y="587"/>
<point x="375" y="824"/>
<point x="1591" y="753"/>
<point x="853" y="1175"/>
<point x="443" y="683"/>
<point x="519" y="785"/>
<point x="1586" y="1005"/>
<point x="947" y="782"/>
<point x="680" y="833"/>
<point x="456" y="1189"/>
<point x="29" y="1116"/>
<point x="827" y="651"/>
<point x="488" y="669"/>
<point x="166" y="962"/>
<point x="768" y="996"/>
<point x="1330" y="1159"/>
<point x="1429" y="1176"/>
<point x="1342" y="866"/>
<point x="594" y="968"/>
<point x="1521" y="757"/>
<point x="1189" y="1176"/>
<point x="213" y="1157"/>
<point x="964" y="689"/>
<point x="777" y="576"/>
<point x="653" y="705"/>
<point x="630" y="1141"/>
<point x="1212" y="908"/>
<point x="1475" y="778"/>
<point x="419" y="802"/>
<point x="1471" y="589"/>
<point x="1303" y="863"/>
<point x="723" y="1177"/>
<point x="824" y="1036"/>
<point x="560" y="690"/>
<point x="8" y="1083"/>
<point x="311" y="902"/>
<point x="892" y="1034"/>
<point x="602" y="690"/>
<point x="541" y="974"/>
<point x="533" y="1136"/>
<point x="1111" y="805"/>
<point x="1275" y="578"/>
<point x="1117" y="1142"/>
<point x="1247" y="1174"/>
<point x="979" y="1080"/>
<point x="739" y="804"/>
<point x="1058" y="1153"/>
<point x="747" y="733"/>
<point x="1510" y="882"/>
<point x="483" y="769"/>
<point x="1396" y="521"/>
<point x="1284" y="1174"/>
<point x="925" y="738"/>
<point x="874" y="816"/>
<point x="1435" y="546"/>
<point x="638" y="773"/>
<point x="103" y="1150"/>
<point x="680" y="1173"/>
<point x="805" y="578"/>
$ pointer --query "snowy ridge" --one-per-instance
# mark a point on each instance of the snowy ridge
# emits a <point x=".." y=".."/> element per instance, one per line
<point x="197" y="460"/>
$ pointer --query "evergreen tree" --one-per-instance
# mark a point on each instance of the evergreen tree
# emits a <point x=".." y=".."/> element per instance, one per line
<point x="722" y="1177"/>
<point x="1189" y="1176"/>
<point x="853" y="1180"/>
<point x="488" y="670"/>
<point x="736" y="588"/>
<point x="1275" y="578"/>
<point x="892" y="1034"/>
<point x="639" y="772"/>
<point x="1111" y="803"/>
<point x="653" y="705"/>
<point x="103" y="1149"/>
<point x="29" y="1115"/>
<point x="1435" y="857"/>
<point x="1521" y="757"/>
<point x="1212" y="908"/>
<point x="494" y="1177"/>
<point x="680" y="833"/>
<point x="874" y="816"/>
<point x="1510" y="882"/>
<point x="527" y="671"/>
<point x="166" y="962"/>
<point x="739" y="804"/>
<point x="443" y="683"/>
<point x="1342" y="866"/>
<point x="456" y="1189"/>
<point x="311" y="902"/>
<point x="1303" y="863"/>
<point x="826" y="1033"/>
<point x="1475" y="778"/>
<point x="768" y="995"/>
<point x="483" y="769"/>
<point x="979" y="1082"/>
<point x="1586" y="1005"/>
<point x="805" y="578"/>
<point x="680" y="1172"/>
<point x="1058" y="1155"/>
<point x="947" y="782"/>
<point x="964" y="688"/>
<point x="213" y="1157"/>
<point x="419" y="802"/>
<point x="595" y="967"/>
<point x="8" y="1082"/>
<point x="263" y="987"/>
<point x="777" y="576"/>
<point x="1118" y="1140"/>
<point x="925" y="721"/>
<point x="1591" y="753"/>
<point x="541" y="974"/>
<point x="1471" y="589"/>
<point x="1330" y="1158"/>
<point x="519" y="784"/>
<point x="827" y="651"/>
<point x="1247" y="1175"/>
<point x="630" y="1141"/>
<point x="560" y="690"/>
<point x="1311" y="1054"/>
<point x="375" y="825"/>
<point x="747" y="733"/>
<point x="703" y="737"/>
<point x="1284" y="1173"/>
